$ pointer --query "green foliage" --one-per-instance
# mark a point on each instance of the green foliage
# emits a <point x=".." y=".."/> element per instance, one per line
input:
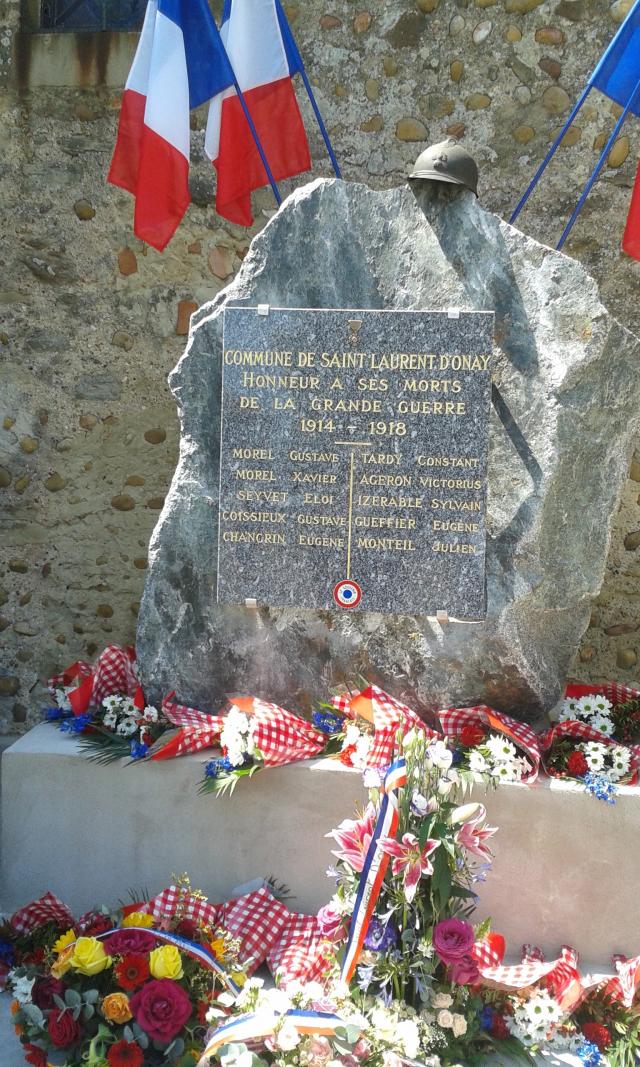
<point x="104" y="747"/>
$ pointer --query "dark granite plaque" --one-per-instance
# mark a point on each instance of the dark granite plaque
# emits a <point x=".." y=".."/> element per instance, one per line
<point x="353" y="459"/>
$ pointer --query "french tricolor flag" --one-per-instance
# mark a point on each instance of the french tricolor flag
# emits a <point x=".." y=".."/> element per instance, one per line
<point x="179" y="64"/>
<point x="264" y="58"/>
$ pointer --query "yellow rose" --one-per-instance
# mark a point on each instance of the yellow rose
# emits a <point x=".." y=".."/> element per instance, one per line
<point x="63" y="962"/>
<point x="89" y="956"/>
<point x="64" y="940"/>
<point x="115" y="1008"/>
<point x="166" y="962"/>
<point x="138" y="918"/>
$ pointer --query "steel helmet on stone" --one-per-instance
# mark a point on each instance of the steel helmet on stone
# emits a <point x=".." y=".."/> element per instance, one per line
<point x="447" y="162"/>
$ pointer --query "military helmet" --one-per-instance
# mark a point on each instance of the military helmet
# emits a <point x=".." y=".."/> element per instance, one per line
<point x="447" y="162"/>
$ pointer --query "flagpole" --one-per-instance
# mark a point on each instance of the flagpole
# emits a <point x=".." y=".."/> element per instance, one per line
<point x="254" y="134"/>
<point x="598" y="167"/>
<point x="319" y="119"/>
<point x="547" y="159"/>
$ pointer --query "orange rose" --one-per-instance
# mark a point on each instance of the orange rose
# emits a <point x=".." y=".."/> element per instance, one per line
<point x="115" y="1008"/>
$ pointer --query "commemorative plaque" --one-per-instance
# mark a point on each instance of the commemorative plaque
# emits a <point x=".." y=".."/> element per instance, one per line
<point x="353" y="459"/>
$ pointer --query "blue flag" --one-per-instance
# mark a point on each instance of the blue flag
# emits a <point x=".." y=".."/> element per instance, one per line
<point x="618" y="72"/>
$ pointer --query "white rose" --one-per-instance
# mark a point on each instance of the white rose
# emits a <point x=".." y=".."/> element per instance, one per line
<point x="445" y="1019"/>
<point x="442" y="1000"/>
<point x="459" y="1025"/>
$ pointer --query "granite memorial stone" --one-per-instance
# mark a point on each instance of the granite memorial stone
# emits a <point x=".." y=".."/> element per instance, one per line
<point x="354" y="456"/>
<point x="565" y="404"/>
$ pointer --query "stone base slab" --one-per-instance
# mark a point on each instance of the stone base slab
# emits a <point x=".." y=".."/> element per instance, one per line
<point x="566" y="870"/>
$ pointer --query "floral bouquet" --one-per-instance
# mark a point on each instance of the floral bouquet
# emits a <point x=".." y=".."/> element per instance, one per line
<point x="595" y="739"/>
<point x="106" y="706"/>
<point x="121" y="990"/>
<point x="491" y="745"/>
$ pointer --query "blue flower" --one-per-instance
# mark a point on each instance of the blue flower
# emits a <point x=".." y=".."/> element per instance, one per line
<point x="380" y="936"/>
<point x="75" y="724"/>
<point x="138" y="750"/>
<point x="589" y="1054"/>
<point x="53" y="714"/>
<point x="218" y="766"/>
<point x="7" y="953"/>
<point x="486" y="1017"/>
<point x="457" y="757"/>
<point x="600" y="787"/>
<point x="327" y="722"/>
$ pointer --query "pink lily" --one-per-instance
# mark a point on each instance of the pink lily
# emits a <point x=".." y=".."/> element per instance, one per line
<point x="354" y="837"/>
<point x="474" y="838"/>
<point x="408" y="857"/>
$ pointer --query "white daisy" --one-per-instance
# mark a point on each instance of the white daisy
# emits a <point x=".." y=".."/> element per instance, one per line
<point x="110" y="719"/>
<point x="504" y="772"/>
<point x="477" y="762"/>
<point x="127" y="727"/>
<point x="568" y="710"/>
<point x="500" y="748"/>
<point x="593" y="748"/>
<point x="621" y="755"/>
<point x="601" y="723"/>
<point x="150" y="714"/>
<point x="594" y="760"/>
<point x="588" y="706"/>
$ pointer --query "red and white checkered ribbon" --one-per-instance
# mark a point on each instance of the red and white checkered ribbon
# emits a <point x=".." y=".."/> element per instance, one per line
<point x="560" y="974"/>
<point x="266" y="929"/>
<point x="281" y="736"/>
<point x="113" y="674"/>
<point x="44" y="910"/>
<point x="196" y="730"/>
<point x="454" y="719"/>
<point x="581" y="731"/>
<point x="387" y="715"/>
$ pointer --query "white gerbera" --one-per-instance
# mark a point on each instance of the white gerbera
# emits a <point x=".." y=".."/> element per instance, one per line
<point x="501" y="749"/>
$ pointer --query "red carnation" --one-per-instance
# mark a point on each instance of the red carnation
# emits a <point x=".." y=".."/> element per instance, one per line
<point x="94" y="923"/>
<point x="499" y="1027"/>
<point x="63" y="1029"/>
<point x="125" y="1054"/>
<point x="132" y="971"/>
<point x="37" y="1057"/>
<point x="472" y="735"/>
<point x="577" y="764"/>
<point x="597" y="1033"/>
<point x="188" y="928"/>
<point x="346" y="754"/>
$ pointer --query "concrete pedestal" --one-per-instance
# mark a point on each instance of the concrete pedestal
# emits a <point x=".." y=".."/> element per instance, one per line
<point x="566" y="870"/>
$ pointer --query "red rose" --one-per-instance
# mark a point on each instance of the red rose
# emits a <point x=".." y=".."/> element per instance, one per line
<point x="472" y="735"/>
<point x="577" y="764"/>
<point x="125" y="1054"/>
<point x="35" y="1056"/>
<point x="464" y="971"/>
<point x="188" y="928"/>
<point x="161" y="1008"/>
<point x="499" y="1027"/>
<point x="132" y="971"/>
<point x="129" y="942"/>
<point x="598" y="1034"/>
<point x="36" y="957"/>
<point x="63" y="1029"/>
<point x="44" y="991"/>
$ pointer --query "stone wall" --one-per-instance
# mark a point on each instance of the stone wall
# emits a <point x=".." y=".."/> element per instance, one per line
<point x="91" y="321"/>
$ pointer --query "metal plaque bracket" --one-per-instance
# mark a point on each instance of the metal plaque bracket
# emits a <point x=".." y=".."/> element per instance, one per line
<point x="263" y="309"/>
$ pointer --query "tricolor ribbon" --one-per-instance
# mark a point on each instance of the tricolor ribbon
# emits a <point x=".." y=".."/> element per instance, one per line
<point x="260" y="1024"/>
<point x="374" y="869"/>
<point x="191" y="948"/>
